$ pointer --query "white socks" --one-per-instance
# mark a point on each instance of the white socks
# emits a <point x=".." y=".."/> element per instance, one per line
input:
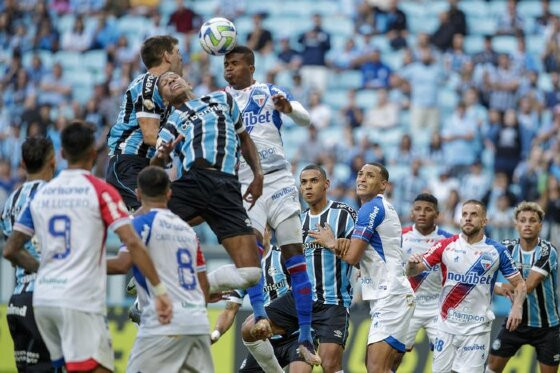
<point x="229" y="277"/>
<point x="263" y="353"/>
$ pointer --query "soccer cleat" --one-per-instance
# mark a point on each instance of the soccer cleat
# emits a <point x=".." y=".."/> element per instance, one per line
<point x="131" y="287"/>
<point x="261" y="329"/>
<point x="307" y="352"/>
<point x="134" y="313"/>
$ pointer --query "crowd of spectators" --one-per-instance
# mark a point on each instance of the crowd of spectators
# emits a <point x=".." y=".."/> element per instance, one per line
<point x="444" y="108"/>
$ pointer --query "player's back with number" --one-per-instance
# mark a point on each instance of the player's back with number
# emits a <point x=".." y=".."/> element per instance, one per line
<point x="70" y="216"/>
<point x="174" y="248"/>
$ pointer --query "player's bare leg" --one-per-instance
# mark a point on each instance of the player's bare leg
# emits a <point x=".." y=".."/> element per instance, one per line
<point x="497" y="363"/>
<point x="262" y="350"/>
<point x="300" y="367"/>
<point x="545" y="368"/>
<point x="380" y="357"/>
<point x="398" y="360"/>
<point x="331" y="357"/>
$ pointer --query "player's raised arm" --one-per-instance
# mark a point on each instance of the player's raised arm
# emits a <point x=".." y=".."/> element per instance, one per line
<point x="225" y="320"/>
<point x="292" y="109"/>
<point x="15" y="252"/>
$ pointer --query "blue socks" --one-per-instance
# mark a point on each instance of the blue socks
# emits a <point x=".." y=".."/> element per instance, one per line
<point x="301" y="289"/>
<point x="256" y="293"/>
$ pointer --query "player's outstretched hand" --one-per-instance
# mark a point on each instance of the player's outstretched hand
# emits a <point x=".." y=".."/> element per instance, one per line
<point x="342" y="246"/>
<point x="254" y="191"/>
<point x="514" y="318"/>
<point x="324" y="236"/>
<point x="165" y="149"/>
<point x="164" y="308"/>
<point x="415" y="258"/>
<point x="282" y="104"/>
<point x="505" y="290"/>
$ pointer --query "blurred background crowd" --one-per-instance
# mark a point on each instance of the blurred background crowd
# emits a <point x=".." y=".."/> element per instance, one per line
<point x="459" y="98"/>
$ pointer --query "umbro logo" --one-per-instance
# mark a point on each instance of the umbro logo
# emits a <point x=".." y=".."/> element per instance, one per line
<point x="338" y="333"/>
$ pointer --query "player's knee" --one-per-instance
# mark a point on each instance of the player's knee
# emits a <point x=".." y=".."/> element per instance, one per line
<point x="331" y="363"/>
<point x="292" y="249"/>
<point x="246" y="330"/>
<point x="250" y="276"/>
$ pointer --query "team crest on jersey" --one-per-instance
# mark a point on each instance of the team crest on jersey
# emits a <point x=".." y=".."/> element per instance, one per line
<point x="486" y="261"/>
<point x="272" y="271"/>
<point x="259" y="99"/>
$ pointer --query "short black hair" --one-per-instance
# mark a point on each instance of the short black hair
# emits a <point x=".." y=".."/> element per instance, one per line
<point x="315" y="167"/>
<point x="476" y="202"/>
<point x="248" y="54"/>
<point x="35" y="152"/>
<point x="153" y="49"/>
<point x="382" y="169"/>
<point x="77" y="139"/>
<point x="427" y="197"/>
<point x="153" y="182"/>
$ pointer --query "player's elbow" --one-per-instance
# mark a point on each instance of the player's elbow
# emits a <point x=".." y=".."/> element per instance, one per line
<point x="8" y="253"/>
<point x="351" y="259"/>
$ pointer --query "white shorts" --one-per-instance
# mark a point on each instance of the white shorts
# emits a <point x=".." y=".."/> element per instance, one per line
<point x="460" y="353"/>
<point x="82" y="339"/>
<point x="390" y="317"/>
<point x="178" y="353"/>
<point x="421" y="320"/>
<point x="279" y="201"/>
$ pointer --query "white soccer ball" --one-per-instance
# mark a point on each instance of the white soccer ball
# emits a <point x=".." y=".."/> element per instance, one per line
<point x="218" y="36"/>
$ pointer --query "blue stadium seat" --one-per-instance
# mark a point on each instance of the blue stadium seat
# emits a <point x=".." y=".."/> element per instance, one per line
<point x="412" y="9"/>
<point x="366" y="98"/>
<point x="206" y="7"/>
<point x="297" y="9"/>
<point x="504" y="44"/>
<point x="393" y="59"/>
<point x="497" y="7"/>
<point x="555" y="7"/>
<point x="545" y="82"/>
<point x="244" y="25"/>
<point x="132" y="25"/>
<point x="474" y="44"/>
<point x="338" y="25"/>
<point x="69" y="59"/>
<point x="350" y="79"/>
<point x="64" y="23"/>
<point x="335" y="98"/>
<point x="281" y="25"/>
<point x="81" y="94"/>
<point x="428" y="23"/>
<point x="166" y="7"/>
<point x="447" y="98"/>
<point x="474" y="8"/>
<point x="95" y="60"/>
<point x="529" y="8"/>
<point x="484" y="26"/>
<point x="437" y="7"/>
<point x="535" y="44"/>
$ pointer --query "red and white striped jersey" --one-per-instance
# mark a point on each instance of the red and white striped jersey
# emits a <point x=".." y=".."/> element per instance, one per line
<point x="469" y="273"/>
<point x="70" y="216"/>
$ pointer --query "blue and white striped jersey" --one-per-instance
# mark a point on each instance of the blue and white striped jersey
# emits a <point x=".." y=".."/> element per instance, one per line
<point x="25" y="282"/>
<point x="540" y="309"/>
<point x="141" y="100"/>
<point x="276" y="278"/>
<point x="329" y="275"/>
<point x="210" y="125"/>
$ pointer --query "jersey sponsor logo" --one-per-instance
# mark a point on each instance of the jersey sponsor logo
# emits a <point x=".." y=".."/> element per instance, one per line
<point x="251" y="118"/>
<point x="474" y="347"/>
<point x="277" y="286"/>
<point x="148" y="91"/>
<point x="265" y="153"/>
<point x="187" y="117"/>
<point x="465" y="317"/>
<point x="372" y="217"/>
<point x="16" y="311"/>
<point x="470" y="278"/>
<point x="312" y="245"/>
<point x="283" y="192"/>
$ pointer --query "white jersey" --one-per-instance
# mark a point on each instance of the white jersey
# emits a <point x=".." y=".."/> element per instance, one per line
<point x="263" y="123"/>
<point x="174" y="248"/>
<point x="469" y="273"/>
<point x="426" y="285"/>
<point x="70" y="216"/>
<point x="382" y="267"/>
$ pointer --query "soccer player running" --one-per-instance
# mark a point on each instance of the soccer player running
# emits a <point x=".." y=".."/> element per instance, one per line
<point x="537" y="261"/>
<point x="30" y="352"/>
<point x="470" y="262"/>
<point x="132" y="139"/>
<point x="208" y="132"/>
<point x="262" y="107"/>
<point x="70" y="215"/>
<point x="184" y="343"/>
<point x="280" y="350"/>
<point x="376" y="246"/>
<point x="418" y="239"/>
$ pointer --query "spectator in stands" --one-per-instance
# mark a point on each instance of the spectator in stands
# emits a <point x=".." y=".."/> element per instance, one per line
<point x="105" y="35"/>
<point x="124" y="52"/>
<point x="452" y="22"/>
<point x="510" y="22"/>
<point x="528" y="117"/>
<point x="15" y="95"/>
<point x="345" y="59"/>
<point x="435" y="150"/>
<point x="450" y="213"/>
<point x="231" y="9"/>
<point x="507" y="140"/>
<point x="365" y="20"/>
<point x="551" y="203"/>
<point x="300" y="92"/>
<point x="207" y="85"/>
<point x="407" y="188"/>
<point x="47" y="38"/>
<point x="319" y="113"/>
<point x="77" y="38"/>
<point x="7" y="181"/>
<point x="36" y="71"/>
<point x="315" y="43"/>
<point x="546" y="16"/>
<point x="11" y="151"/>
<point x="288" y="58"/>
<point x="529" y="175"/>
<point x="405" y="153"/>
<point x="523" y="61"/>
<point x="353" y="114"/>
<point x="488" y="55"/>
<point x="529" y="88"/>
<point x="552" y="97"/>
<point x="456" y="58"/>
<point x="443" y="185"/>
<point x="476" y="183"/>
<point x="424" y="78"/>
<point x="396" y="27"/>
<point x="500" y="187"/>
<point x="313" y="149"/>
<point x="375" y="74"/>
<point x="55" y="90"/>
<point x="457" y="17"/>
<point x="503" y="85"/>
<point x="384" y="114"/>
<point x="459" y="142"/>
<point x="184" y="19"/>
<point x="20" y="40"/>
<point x="259" y="39"/>
<point x="501" y="216"/>
<point x="551" y="57"/>
<point x="422" y="45"/>
<point x="157" y="28"/>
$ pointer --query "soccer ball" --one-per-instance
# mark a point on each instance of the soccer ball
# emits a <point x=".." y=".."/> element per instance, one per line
<point x="218" y="36"/>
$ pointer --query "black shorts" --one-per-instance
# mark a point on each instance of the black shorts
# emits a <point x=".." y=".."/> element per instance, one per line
<point x="30" y="351"/>
<point x="285" y="350"/>
<point x="216" y="197"/>
<point x="122" y="173"/>
<point x="329" y="321"/>
<point x="546" y="342"/>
